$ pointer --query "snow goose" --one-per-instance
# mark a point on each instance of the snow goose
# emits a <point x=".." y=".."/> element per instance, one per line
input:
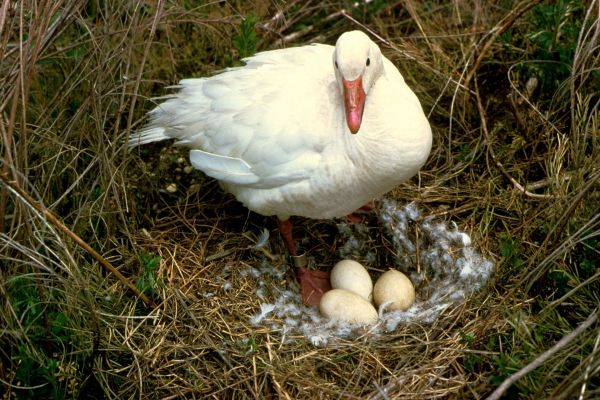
<point x="314" y="131"/>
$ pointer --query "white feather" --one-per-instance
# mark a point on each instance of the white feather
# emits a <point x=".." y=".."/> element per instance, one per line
<point x="275" y="132"/>
<point x="227" y="169"/>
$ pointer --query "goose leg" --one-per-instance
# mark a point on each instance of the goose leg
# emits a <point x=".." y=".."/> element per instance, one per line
<point x="313" y="284"/>
<point x="359" y="215"/>
<point x="285" y="229"/>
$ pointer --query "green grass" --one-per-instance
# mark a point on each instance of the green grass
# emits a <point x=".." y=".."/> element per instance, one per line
<point x="148" y="282"/>
<point x="246" y="40"/>
<point x="39" y="361"/>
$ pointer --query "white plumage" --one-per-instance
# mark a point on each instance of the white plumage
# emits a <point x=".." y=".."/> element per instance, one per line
<point x="277" y="132"/>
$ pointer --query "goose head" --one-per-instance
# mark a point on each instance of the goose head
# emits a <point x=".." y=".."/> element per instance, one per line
<point x="358" y="64"/>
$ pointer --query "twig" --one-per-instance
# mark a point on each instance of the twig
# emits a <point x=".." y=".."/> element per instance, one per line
<point x="499" y="164"/>
<point x="589" y="280"/>
<point x="7" y="140"/>
<point x="4" y="177"/>
<point x="310" y="28"/>
<point x="136" y="88"/>
<point x="405" y="54"/>
<point x="565" y="340"/>
<point x="498" y="30"/>
<point x="586" y="375"/>
<point x="583" y="52"/>
<point x="417" y="249"/>
<point x="556" y="231"/>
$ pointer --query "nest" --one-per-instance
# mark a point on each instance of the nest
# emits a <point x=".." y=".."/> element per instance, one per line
<point x="448" y="270"/>
<point x="231" y="323"/>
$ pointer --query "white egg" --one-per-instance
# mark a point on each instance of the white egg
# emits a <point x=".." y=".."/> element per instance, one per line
<point x="346" y="306"/>
<point x="353" y="277"/>
<point x="395" y="288"/>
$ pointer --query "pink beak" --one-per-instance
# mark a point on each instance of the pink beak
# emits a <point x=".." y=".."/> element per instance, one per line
<point x="354" y="102"/>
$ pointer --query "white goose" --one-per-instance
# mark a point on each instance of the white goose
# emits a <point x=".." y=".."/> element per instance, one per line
<point x="315" y="131"/>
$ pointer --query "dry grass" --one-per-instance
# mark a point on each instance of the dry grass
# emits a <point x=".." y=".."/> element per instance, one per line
<point x="514" y="165"/>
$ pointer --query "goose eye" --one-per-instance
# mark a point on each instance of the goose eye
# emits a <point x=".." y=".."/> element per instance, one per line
<point x="368" y="62"/>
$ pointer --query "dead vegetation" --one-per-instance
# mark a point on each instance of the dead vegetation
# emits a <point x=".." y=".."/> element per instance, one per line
<point x="511" y="89"/>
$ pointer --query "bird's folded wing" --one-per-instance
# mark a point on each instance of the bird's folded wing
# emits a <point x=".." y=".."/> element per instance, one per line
<point x="236" y="171"/>
<point x="228" y="169"/>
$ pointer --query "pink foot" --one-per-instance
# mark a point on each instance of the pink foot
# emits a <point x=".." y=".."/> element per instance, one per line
<point x="313" y="284"/>
<point x="359" y="215"/>
<point x="285" y="229"/>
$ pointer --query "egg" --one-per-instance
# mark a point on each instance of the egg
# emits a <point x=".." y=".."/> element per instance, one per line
<point x="353" y="277"/>
<point x="395" y="287"/>
<point x="340" y="304"/>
